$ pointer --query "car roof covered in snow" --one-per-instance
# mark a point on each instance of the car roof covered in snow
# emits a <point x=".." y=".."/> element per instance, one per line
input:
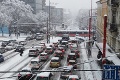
<point x="73" y="76"/>
<point x="44" y="53"/>
<point x="45" y="74"/>
<point x="54" y="58"/>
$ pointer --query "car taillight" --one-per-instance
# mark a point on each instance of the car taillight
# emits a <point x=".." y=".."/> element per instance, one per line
<point x="29" y="75"/>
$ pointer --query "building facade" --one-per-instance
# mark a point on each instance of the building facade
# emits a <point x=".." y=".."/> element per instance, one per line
<point x="37" y="5"/>
<point x="114" y="24"/>
<point x="112" y="9"/>
<point x="56" y="14"/>
<point x="102" y="10"/>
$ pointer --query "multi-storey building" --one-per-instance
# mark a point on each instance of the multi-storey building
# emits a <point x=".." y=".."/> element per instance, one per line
<point x="37" y="5"/>
<point x="113" y="24"/>
<point x="102" y="9"/>
<point x="111" y="8"/>
<point x="56" y="14"/>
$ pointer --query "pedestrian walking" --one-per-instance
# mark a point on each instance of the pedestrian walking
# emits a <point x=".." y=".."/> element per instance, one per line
<point x="21" y="52"/>
<point x="99" y="54"/>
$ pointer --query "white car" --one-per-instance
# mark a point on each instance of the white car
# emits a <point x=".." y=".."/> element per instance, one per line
<point x="73" y="77"/>
<point x="10" y="46"/>
<point x="34" y="64"/>
<point x="44" y="76"/>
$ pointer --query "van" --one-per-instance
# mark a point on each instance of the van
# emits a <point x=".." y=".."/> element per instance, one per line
<point x="34" y="64"/>
<point x="44" y="76"/>
<point x="55" y="62"/>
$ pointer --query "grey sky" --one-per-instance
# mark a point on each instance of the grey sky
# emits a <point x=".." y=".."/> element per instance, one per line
<point x="74" y="5"/>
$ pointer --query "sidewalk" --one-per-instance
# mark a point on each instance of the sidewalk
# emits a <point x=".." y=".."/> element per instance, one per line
<point x="110" y="56"/>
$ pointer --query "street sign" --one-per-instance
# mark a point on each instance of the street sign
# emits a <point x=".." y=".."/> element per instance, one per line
<point x="111" y="72"/>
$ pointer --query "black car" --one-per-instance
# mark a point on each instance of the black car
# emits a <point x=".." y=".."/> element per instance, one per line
<point x="4" y="43"/>
<point x="2" y="50"/>
<point x="1" y="58"/>
<point x="19" y="47"/>
<point x="28" y="38"/>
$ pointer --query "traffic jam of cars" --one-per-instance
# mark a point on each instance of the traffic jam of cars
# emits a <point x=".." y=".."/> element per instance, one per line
<point x="62" y="56"/>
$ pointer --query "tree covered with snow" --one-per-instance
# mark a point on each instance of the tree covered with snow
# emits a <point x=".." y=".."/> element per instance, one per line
<point x="41" y="17"/>
<point x="13" y="11"/>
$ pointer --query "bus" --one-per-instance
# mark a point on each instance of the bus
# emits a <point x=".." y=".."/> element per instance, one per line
<point x="73" y="33"/>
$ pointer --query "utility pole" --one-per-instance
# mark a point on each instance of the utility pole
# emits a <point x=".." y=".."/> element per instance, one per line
<point x="49" y="23"/>
<point x="47" y="32"/>
<point x="104" y="40"/>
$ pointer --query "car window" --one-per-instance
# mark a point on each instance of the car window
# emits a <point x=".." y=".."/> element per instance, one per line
<point x="31" y="50"/>
<point x="54" y="60"/>
<point x="48" y="48"/>
<point x="42" y="78"/>
<point x="34" y="62"/>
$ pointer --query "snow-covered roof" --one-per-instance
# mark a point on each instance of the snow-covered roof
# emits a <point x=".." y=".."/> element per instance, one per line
<point x="68" y="67"/>
<point x="54" y="58"/>
<point x="44" y="74"/>
<point x="36" y="59"/>
<point x="71" y="53"/>
<point x="73" y="76"/>
<point x="44" y="53"/>
<point x="71" y="60"/>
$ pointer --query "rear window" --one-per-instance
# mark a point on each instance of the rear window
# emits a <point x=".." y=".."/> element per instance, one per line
<point x="34" y="62"/>
<point x="48" y="49"/>
<point x="71" y="55"/>
<point x="43" y="54"/>
<point x="72" y="63"/>
<point x="42" y="78"/>
<point x="32" y="50"/>
<point x="54" y="60"/>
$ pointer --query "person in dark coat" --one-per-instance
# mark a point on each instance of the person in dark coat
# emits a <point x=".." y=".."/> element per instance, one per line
<point x="99" y="54"/>
<point x="21" y="52"/>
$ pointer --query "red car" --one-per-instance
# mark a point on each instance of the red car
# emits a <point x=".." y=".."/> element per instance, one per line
<point x="61" y="49"/>
<point x="59" y="54"/>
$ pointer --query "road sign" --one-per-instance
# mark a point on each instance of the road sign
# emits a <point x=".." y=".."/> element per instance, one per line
<point x="111" y="72"/>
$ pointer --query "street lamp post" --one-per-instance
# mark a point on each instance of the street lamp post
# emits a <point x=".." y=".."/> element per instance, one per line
<point x="49" y="24"/>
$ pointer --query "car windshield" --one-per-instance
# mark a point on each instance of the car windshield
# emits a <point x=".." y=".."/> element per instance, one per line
<point x="42" y="78"/>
